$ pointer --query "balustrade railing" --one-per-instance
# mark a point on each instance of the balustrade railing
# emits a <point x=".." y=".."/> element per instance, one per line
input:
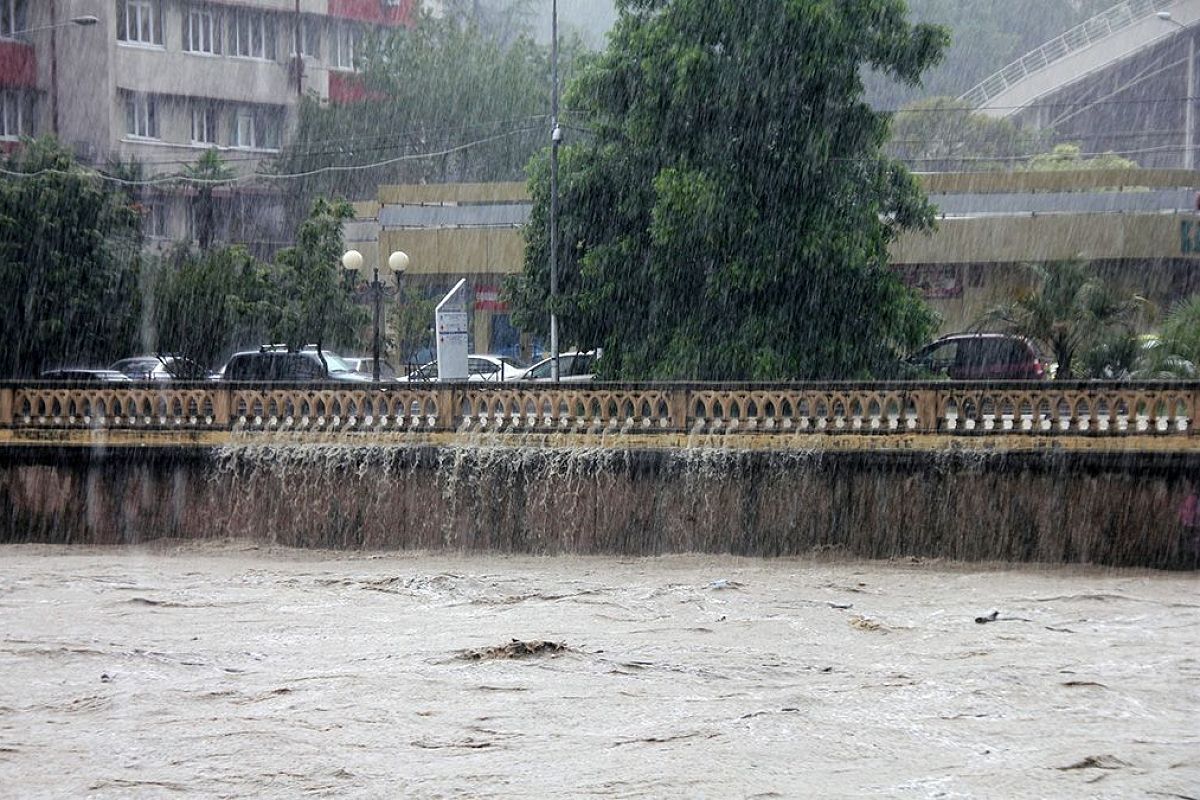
<point x="967" y="409"/>
<point x="1097" y="29"/>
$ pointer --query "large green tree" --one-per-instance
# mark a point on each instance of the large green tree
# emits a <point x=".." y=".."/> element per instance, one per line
<point x="70" y="257"/>
<point x="729" y="215"/>
<point x="452" y="98"/>
<point x="207" y="304"/>
<point x="316" y="304"/>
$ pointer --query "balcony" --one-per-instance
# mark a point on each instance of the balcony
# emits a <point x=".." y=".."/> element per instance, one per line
<point x="185" y="74"/>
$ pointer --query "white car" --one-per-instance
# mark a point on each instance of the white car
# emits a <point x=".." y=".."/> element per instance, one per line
<point x="365" y="365"/>
<point x="574" y="367"/>
<point x="480" y="368"/>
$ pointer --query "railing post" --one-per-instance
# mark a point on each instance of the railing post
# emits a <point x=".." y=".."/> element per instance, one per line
<point x="678" y="407"/>
<point x="6" y="408"/>
<point x="926" y="401"/>
<point x="221" y="403"/>
<point x="447" y="411"/>
<point x="1194" y="413"/>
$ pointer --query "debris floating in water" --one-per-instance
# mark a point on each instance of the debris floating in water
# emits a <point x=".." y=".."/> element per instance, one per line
<point x="995" y="617"/>
<point x="865" y="623"/>
<point x="515" y="649"/>
<point x="725" y="583"/>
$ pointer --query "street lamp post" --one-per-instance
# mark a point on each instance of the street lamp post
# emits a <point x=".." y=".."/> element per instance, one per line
<point x="1189" y="117"/>
<point x="352" y="261"/>
<point x="85" y="21"/>
<point x="555" y="140"/>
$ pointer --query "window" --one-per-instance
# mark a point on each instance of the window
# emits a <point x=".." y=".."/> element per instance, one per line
<point x="310" y="37"/>
<point x="204" y="124"/>
<point x="347" y="39"/>
<point x="138" y="21"/>
<point x="11" y="115"/>
<point x="251" y="34"/>
<point x="243" y="129"/>
<point x="201" y="33"/>
<point x="257" y="129"/>
<point x="141" y="116"/>
<point x="12" y="17"/>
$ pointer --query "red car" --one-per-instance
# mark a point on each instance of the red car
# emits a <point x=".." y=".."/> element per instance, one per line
<point x="982" y="357"/>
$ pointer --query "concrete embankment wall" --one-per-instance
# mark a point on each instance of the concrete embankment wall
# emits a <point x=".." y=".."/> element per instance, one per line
<point x="1120" y="510"/>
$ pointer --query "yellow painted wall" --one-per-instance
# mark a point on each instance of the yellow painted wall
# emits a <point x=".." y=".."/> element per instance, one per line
<point x="458" y="250"/>
<point x="1048" y="237"/>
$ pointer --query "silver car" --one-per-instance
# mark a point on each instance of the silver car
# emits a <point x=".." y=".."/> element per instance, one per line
<point x="575" y="367"/>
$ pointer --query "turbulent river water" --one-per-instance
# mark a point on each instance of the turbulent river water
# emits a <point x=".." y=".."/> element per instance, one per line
<point x="229" y="670"/>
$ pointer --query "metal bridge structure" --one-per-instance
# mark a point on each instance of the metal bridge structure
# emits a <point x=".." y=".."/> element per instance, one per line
<point x="1124" y="81"/>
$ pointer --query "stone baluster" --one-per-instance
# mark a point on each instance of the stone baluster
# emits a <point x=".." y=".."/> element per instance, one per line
<point x="221" y="400"/>
<point x="448" y="401"/>
<point x="927" y="401"/>
<point x="6" y="408"/>
<point x="678" y="405"/>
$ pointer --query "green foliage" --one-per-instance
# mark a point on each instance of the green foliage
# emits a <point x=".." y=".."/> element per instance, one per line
<point x="942" y="134"/>
<point x="1175" y="352"/>
<point x="472" y="94"/>
<point x="70" y="257"/>
<point x="730" y="216"/>
<point x="205" y="176"/>
<point x="209" y="303"/>
<point x="410" y="324"/>
<point x="1070" y="157"/>
<point x="1068" y="309"/>
<point x="315" y="302"/>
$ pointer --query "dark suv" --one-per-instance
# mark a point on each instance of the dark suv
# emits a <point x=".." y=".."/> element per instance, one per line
<point x="981" y="357"/>
<point x="270" y="364"/>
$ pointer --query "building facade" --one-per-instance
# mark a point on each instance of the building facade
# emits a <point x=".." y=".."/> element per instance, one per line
<point x="1139" y="228"/>
<point x="160" y="82"/>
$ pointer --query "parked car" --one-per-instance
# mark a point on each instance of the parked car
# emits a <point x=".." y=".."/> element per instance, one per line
<point x="981" y="357"/>
<point x="480" y="368"/>
<point x="575" y="367"/>
<point x="364" y="365"/>
<point x="85" y="375"/>
<point x="161" y="368"/>
<point x="272" y="364"/>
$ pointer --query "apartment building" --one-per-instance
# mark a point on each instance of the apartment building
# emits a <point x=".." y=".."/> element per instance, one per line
<point x="160" y="82"/>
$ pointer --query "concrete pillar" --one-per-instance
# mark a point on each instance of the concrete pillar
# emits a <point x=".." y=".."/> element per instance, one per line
<point x="677" y="403"/>
<point x="221" y="401"/>
<point x="448" y="400"/>
<point x="927" y="401"/>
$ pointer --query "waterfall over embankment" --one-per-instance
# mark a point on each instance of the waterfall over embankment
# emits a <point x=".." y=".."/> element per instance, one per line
<point x="1102" y="508"/>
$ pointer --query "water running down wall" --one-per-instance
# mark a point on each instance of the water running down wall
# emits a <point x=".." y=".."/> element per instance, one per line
<point x="1120" y="509"/>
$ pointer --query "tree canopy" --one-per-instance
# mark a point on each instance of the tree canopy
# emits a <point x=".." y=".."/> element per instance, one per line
<point x="453" y="98"/>
<point x="70" y="257"/>
<point x="1068" y="309"/>
<point x="729" y="213"/>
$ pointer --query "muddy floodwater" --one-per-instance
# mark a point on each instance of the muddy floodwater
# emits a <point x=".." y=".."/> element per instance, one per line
<point x="226" y="670"/>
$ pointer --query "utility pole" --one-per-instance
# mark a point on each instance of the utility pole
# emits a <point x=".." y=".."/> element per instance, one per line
<point x="1189" y="136"/>
<point x="555" y="139"/>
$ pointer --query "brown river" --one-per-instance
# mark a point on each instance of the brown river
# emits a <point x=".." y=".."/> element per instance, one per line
<point x="229" y="670"/>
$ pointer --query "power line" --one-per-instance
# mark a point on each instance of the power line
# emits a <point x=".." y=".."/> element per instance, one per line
<point x="257" y="175"/>
<point x="291" y="151"/>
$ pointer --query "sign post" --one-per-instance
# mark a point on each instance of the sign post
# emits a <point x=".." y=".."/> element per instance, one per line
<point x="451" y="323"/>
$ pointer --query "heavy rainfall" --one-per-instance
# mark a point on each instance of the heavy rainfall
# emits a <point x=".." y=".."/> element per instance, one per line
<point x="599" y="398"/>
